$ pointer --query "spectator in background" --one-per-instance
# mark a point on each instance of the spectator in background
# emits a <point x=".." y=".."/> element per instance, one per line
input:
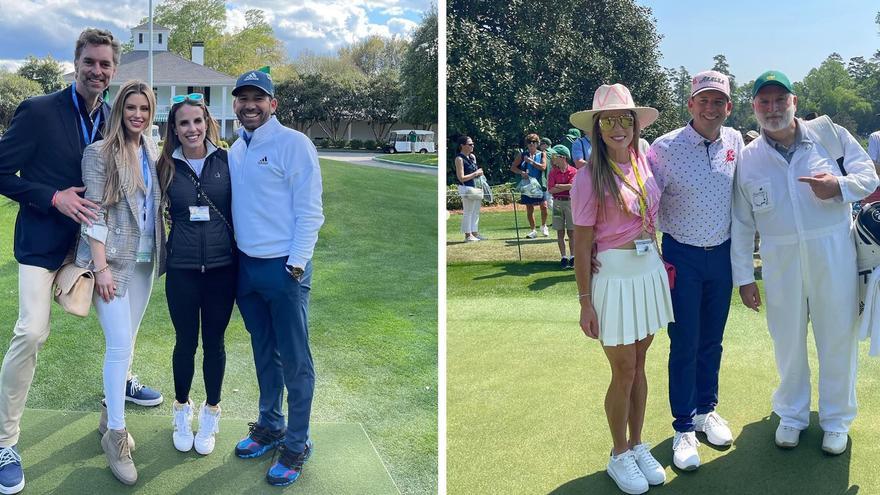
<point x="580" y="149"/>
<point x="874" y="153"/>
<point x="466" y="171"/>
<point x="559" y="185"/>
<point x="531" y="163"/>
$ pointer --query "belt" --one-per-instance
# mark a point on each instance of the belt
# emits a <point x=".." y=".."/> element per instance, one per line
<point x="561" y="199"/>
<point x="703" y="248"/>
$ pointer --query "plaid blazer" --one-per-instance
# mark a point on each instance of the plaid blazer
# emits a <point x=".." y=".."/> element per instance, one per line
<point x="120" y="219"/>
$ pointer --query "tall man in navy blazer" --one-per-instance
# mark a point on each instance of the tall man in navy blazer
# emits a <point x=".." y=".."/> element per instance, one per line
<point x="277" y="212"/>
<point x="40" y="157"/>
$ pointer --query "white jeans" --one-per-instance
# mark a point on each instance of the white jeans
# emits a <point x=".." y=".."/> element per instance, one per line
<point x="471" y="217"/>
<point x="120" y="320"/>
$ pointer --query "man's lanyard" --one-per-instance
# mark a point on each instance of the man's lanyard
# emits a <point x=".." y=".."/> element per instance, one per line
<point x="641" y="192"/>
<point x="95" y="124"/>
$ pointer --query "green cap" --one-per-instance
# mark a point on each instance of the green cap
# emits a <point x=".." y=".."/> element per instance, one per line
<point x="561" y="149"/>
<point x="574" y="132"/>
<point x="546" y="141"/>
<point x="771" y="77"/>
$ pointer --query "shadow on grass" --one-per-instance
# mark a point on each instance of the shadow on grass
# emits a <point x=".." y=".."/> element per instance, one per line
<point x="549" y="274"/>
<point x="753" y="465"/>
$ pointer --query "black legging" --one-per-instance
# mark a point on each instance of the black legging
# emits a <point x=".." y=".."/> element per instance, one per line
<point x="192" y="294"/>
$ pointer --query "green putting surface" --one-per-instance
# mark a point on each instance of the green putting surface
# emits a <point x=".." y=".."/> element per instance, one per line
<point x="62" y="454"/>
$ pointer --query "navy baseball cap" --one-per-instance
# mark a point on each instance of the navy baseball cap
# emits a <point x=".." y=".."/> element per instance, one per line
<point x="257" y="79"/>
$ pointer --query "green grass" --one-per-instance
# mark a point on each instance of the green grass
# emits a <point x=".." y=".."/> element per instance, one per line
<point x="373" y="326"/>
<point x="429" y="159"/>
<point x="499" y="227"/>
<point x="526" y="389"/>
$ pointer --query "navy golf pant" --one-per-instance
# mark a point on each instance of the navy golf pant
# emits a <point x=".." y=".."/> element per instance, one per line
<point x="701" y="302"/>
<point x="275" y="308"/>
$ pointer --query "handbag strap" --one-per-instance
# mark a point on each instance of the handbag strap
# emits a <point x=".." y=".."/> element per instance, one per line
<point x="203" y="194"/>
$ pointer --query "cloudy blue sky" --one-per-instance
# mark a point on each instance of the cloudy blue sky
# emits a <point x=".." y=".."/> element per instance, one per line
<point x="50" y="27"/>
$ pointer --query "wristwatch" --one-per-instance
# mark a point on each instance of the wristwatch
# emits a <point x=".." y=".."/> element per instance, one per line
<point x="294" y="271"/>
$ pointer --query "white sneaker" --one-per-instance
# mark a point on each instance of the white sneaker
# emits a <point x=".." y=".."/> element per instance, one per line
<point x="209" y="424"/>
<point x="715" y="428"/>
<point x="651" y="469"/>
<point x="624" y="470"/>
<point x="684" y="451"/>
<point x="471" y="238"/>
<point x="787" y="437"/>
<point x="545" y="231"/>
<point x="532" y="234"/>
<point x="834" y="442"/>
<point x="182" y="422"/>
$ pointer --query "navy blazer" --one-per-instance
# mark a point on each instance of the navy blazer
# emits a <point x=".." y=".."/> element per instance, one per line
<point x="41" y="153"/>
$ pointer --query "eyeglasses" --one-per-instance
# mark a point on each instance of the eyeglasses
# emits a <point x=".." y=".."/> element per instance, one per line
<point x="607" y="123"/>
<point x="190" y="97"/>
<point x="532" y="142"/>
<point x="468" y="144"/>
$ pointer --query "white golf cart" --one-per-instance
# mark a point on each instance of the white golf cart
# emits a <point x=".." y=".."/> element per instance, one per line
<point x="410" y="141"/>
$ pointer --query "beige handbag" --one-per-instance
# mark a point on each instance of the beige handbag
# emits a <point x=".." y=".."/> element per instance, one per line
<point x="73" y="289"/>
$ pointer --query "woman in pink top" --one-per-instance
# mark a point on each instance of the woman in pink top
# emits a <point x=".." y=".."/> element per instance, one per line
<point x="614" y="203"/>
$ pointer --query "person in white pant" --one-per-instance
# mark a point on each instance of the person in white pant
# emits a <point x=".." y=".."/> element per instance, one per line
<point x="466" y="170"/>
<point x="792" y="192"/>
<point x="124" y="247"/>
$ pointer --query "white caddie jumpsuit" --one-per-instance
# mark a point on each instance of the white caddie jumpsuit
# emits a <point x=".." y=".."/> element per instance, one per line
<point x="809" y="268"/>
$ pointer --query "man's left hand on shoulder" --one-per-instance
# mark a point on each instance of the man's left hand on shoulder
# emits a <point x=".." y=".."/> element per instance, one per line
<point x="824" y="185"/>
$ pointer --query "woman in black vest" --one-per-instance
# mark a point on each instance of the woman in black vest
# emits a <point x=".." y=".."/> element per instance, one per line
<point x="201" y="279"/>
<point x="466" y="171"/>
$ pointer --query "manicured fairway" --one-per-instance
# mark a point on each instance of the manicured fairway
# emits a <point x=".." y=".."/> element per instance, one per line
<point x="526" y="388"/>
<point x="373" y="333"/>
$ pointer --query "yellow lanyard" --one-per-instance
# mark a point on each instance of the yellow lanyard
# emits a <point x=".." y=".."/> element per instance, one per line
<point x="641" y="192"/>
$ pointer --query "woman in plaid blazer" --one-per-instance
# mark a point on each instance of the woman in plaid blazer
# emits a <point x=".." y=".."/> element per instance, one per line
<point x="124" y="247"/>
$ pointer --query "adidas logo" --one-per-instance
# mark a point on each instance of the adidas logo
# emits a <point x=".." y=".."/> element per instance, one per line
<point x="252" y="77"/>
<point x="263" y="161"/>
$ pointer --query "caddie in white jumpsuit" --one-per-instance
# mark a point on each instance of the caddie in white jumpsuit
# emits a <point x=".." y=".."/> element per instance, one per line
<point x="790" y="190"/>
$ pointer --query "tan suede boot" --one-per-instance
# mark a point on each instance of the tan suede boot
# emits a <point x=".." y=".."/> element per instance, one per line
<point x="102" y="426"/>
<point x="115" y="444"/>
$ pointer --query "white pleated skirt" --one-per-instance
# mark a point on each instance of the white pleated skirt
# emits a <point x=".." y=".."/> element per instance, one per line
<point x="631" y="296"/>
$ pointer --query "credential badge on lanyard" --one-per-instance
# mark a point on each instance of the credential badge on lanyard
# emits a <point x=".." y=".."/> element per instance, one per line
<point x="87" y="139"/>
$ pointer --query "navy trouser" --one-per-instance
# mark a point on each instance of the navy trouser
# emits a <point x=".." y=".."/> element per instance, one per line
<point x="701" y="302"/>
<point x="275" y="310"/>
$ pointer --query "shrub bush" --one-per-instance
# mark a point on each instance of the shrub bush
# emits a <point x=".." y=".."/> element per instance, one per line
<point x="356" y="144"/>
<point x="369" y="144"/>
<point x="502" y="194"/>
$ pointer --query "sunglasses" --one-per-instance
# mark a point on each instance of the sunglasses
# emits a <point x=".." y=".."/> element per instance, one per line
<point x="607" y="123"/>
<point x="532" y="142"/>
<point x="190" y="97"/>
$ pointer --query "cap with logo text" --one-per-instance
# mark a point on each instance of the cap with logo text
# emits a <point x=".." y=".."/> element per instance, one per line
<point x="710" y="80"/>
<point x="771" y="77"/>
<point x="257" y="79"/>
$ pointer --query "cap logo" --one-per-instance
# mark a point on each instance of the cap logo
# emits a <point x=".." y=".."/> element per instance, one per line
<point x="251" y="77"/>
<point x="710" y="79"/>
<point x="771" y="77"/>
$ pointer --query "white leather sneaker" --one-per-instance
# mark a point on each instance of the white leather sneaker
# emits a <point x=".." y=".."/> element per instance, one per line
<point x="715" y="428"/>
<point x="624" y="470"/>
<point x="653" y="471"/>
<point x="787" y="437"/>
<point x="545" y="231"/>
<point x="532" y="234"/>
<point x="684" y="451"/>
<point x="834" y="442"/>
<point x="209" y="424"/>
<point x="182" y="422"/>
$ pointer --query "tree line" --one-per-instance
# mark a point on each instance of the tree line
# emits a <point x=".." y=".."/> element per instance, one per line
<point x="512" y="71"/>
<point x="379" y="80"/>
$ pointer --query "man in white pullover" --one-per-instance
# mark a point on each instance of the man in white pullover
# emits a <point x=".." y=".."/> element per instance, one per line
<point x="277" y="212"/>
<point x="789" y="189"/>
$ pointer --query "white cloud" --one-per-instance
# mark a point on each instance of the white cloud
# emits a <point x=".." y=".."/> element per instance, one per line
<point x="50" y="27"/>
<point x="11" y="65"/>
